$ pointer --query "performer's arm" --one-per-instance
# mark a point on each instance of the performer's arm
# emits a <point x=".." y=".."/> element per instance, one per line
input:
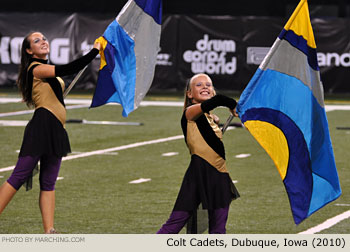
<point x="49" y="71"/>
<point x="196" y="110"/>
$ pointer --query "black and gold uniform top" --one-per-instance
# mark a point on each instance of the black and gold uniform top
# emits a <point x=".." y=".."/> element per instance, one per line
<point x="48" y="93"/>
<point x="206" y="180"/>
<point x="45" y="133"/>
<point x="204" y="139"/>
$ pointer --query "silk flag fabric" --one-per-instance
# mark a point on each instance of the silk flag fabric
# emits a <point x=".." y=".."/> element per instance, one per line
<point x="283" y="108"/>
<point x="130" y="45"/>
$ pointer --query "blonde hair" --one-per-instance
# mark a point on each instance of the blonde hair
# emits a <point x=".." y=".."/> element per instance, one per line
<point x="188" y="102"/>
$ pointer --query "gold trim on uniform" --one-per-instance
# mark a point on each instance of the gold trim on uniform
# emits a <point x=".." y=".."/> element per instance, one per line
<point x="198" y="146"/>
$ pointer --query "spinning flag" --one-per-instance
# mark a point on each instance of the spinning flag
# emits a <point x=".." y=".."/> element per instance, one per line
<point x="283" y="108"/>
<point x="130" y="45"/>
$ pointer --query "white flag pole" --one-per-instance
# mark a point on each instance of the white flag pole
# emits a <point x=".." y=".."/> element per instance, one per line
<point x="227" y="123"/>
<point x="71" y="85"/>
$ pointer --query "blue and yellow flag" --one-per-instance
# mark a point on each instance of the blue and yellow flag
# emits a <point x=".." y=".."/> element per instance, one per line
<point x="283" y="108"/>
<point x="130" y="46"/>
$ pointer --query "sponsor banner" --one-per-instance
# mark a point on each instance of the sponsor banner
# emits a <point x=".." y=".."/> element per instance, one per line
<point x="212" y="45"/>
<point x="333" y="52"/>
<point x="227" y="48"/>
<point x="166" y="72"/>
<point x="58" y="28"/>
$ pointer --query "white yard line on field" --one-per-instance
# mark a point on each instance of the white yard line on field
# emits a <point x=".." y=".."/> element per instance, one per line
<point x="67" y="101"/>
<point x="337" y="107"/>
<point x="123" y="147"/>
<point x="243" y="155"/>
<point x="88" y="102"/>
<point x="113" y="149"/>
<point x="169" y="154"/>
<point x="24" y="112"/>
<point x="83" y="103"/>
<point x="327" y="224"/>
<point x="14" y="123"/>
<point x="139" y="181"/>
<point x="9" y="168"/>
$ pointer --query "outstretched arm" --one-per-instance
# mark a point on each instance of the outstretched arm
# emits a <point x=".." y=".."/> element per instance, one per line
<point x="196" y="110"/>
<point x="49" y="71"/>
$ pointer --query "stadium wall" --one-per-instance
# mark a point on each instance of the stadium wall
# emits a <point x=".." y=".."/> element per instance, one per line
<point x="228" y="48"/>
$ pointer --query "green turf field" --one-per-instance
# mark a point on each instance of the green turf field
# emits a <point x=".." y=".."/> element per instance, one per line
<point x="94" y="194"/>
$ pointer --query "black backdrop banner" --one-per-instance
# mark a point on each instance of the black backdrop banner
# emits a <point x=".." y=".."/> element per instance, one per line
<point x="227" y="48"/>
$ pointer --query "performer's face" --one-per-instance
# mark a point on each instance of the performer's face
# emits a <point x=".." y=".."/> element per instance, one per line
<point x="39" y="46"/>
<point x="201" y="89"/>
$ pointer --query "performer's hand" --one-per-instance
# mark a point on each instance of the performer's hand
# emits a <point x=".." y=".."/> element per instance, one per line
<point x="98" y="43"/>
<point x="216" y="118"/>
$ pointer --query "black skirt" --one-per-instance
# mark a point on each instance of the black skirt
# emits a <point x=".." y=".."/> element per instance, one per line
<point x="45" y="135"/>
<point x="204" y="184"/>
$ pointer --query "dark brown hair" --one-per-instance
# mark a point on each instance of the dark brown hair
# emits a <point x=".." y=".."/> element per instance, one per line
<point x="22" y="80"/>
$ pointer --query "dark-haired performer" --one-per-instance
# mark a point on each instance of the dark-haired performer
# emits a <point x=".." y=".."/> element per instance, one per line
<point x="45" y="137"/>
<point x="206" y="180"/>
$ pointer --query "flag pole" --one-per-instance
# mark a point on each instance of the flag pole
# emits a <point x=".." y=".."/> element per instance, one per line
<point x="227" y="123"/>
<point x="74" y="81"/>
